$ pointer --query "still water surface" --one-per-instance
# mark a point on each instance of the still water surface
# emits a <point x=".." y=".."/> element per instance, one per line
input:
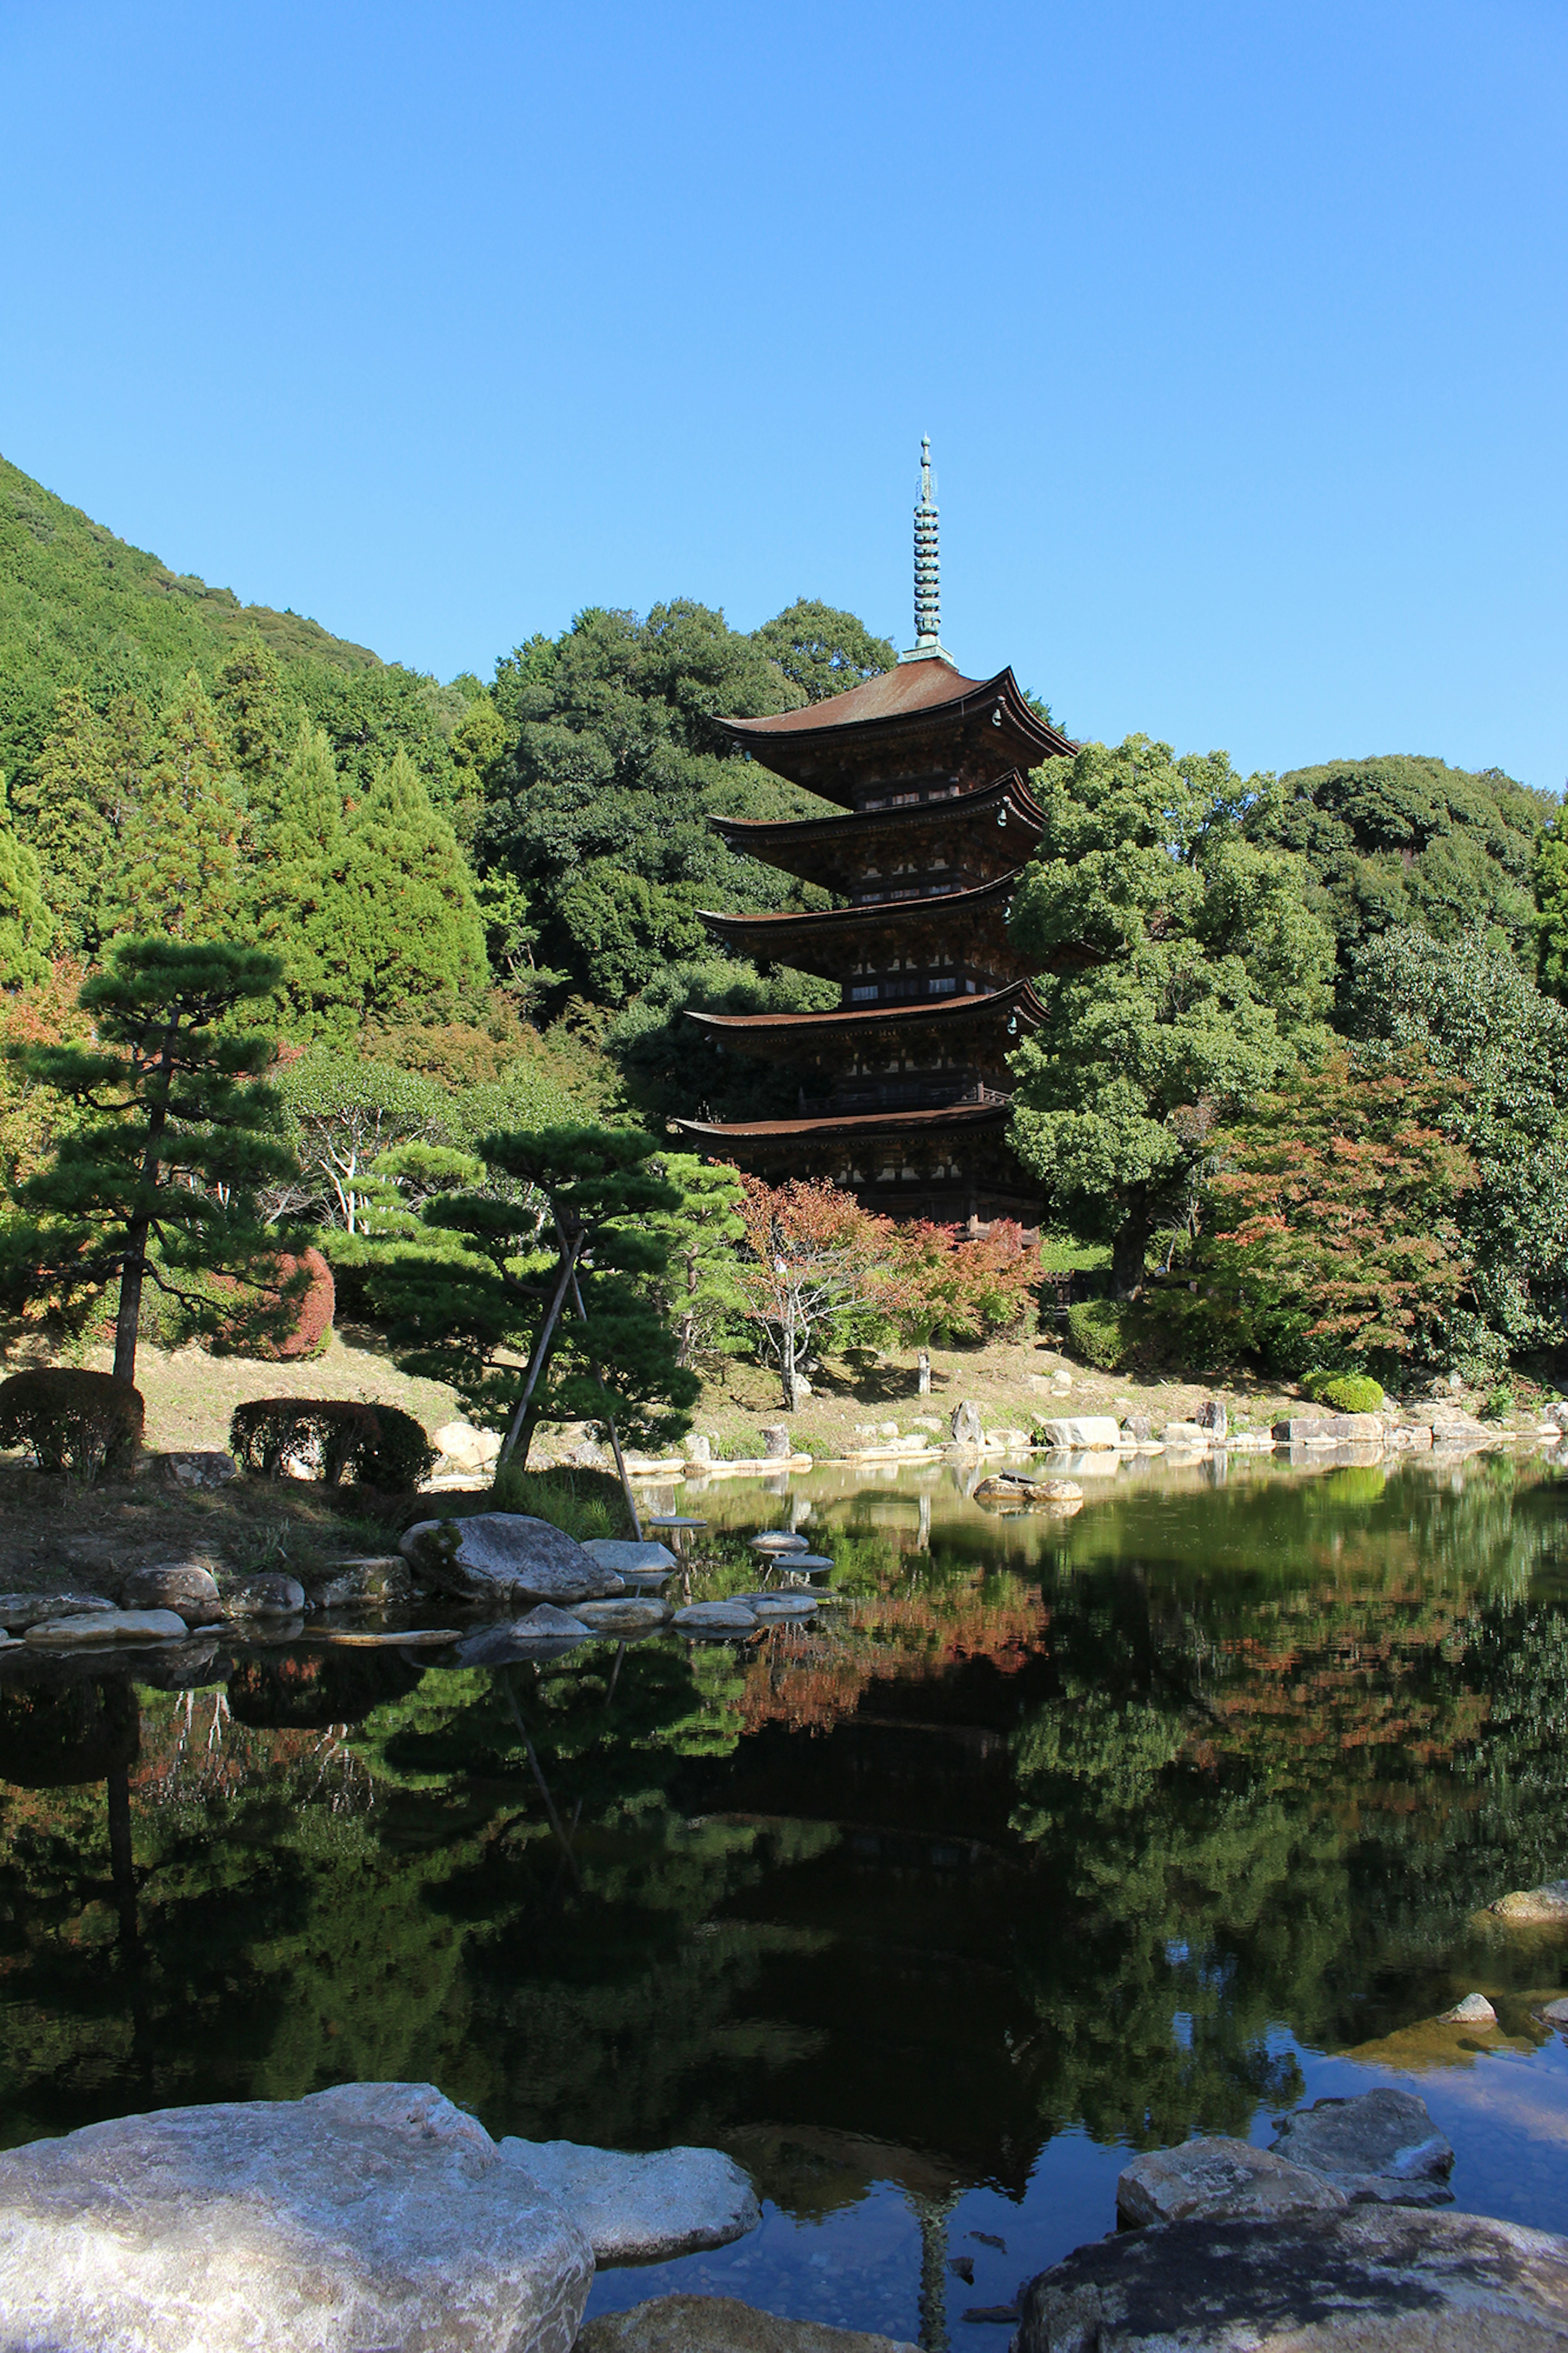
<point x="1049" y="1840"/>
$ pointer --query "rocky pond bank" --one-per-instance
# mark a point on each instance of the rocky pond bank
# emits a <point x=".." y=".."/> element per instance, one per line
<point x="383" y="2216"/>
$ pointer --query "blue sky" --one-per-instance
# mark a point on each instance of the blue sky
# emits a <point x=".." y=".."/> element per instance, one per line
<point x="1240" y="333"/>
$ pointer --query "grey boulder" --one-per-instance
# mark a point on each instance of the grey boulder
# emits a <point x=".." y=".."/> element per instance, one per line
<point x="545" y="1632"/>
<point x="20" y="1610"/>
<point x="174" y="1585"/>
<point x="105" y="1625"/>
<point x="636" y="1614"/>
<point x="1379" y="2280"/>
<point x="200" y="1468"/>
<point x="642" y="2209"/>
<point x="1382" y="2148"/>
<point x="371" y="2215"/>
<point x="619" y="1554"/>
<point x="505" y="1560"/>
<point x="271" y="1595"/>
<point x="967" y="1428"/>
<point x="1205" y="2179"/>
<point x="1474" y="2010"/>
<point x="721" y="2324"/>
<point x="370" y="1583"/>
<point x="716" y="1618"/>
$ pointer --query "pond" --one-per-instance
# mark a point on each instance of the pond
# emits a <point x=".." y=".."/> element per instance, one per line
<point x="1047" y="1841"/>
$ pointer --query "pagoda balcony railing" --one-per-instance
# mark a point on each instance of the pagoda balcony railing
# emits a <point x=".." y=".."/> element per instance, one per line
<point x="907" y="891"/>
<point x="908" y="1094"/>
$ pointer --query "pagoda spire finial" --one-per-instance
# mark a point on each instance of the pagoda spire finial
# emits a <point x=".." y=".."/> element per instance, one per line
<point x="928" y="571"/>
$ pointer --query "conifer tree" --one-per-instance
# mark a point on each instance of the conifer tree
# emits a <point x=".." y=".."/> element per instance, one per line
<point x="301" y="887"/>
<point x="413" y="932"/>
<point x="26" y="926"/>
<point x="249" y="700"/>
<point x="67" y="816"/>
<point x="159" y="1179"/>
<point x="181" y="857"/>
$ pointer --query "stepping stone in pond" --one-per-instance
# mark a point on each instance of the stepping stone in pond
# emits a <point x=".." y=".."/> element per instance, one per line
<point x="716" y="1618"/>
<point x="620" y="1555"/>
<point x="644" y="1580"/>
<point x="780" y="1540"/>
<point x="635" y="1615"/>
<point x="778" y="1605"/>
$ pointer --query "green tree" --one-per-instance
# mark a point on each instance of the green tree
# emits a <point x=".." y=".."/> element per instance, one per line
<point x="72" y="814"/>
<point x="249" y="700"/>
<point x="561" y="1202"/>
<point x="1401" y="840"/>
<point x="301" y="887"/>
<point x="613" y="768"/>
<point x="1468" y="1010"/>
<point x="182" y="844"/>
<point x="26" y="926"/>
<point x="1182" y="973"/>
<point x="821" y="651"/>
<point x="703" y="1295"/>
<point x="1549" y="876"/>
<point x="159" y="1180"/>
<point x="414" y="933"/>
<point x="342" y="1115"/>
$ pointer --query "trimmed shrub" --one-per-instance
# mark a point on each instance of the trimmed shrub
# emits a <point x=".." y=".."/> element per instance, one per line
<point x="1097" y="1334"/>
<point x="1350" y="1392"/>
<point x="313" y="1324"/>
<point x="83" y="1422"/>
<point x="375" y="1445"/>
<point x="403" y="1455"/>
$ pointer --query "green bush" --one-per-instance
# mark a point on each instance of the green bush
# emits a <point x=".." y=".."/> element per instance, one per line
<point x="376" y="1445"/>
<point x="1349" y="1393"/>
<point x="402" y="1456"/>
<point x="83" y="1422"/>
<point x="1097" y="1333"/>
<point x="582" y="1503"/>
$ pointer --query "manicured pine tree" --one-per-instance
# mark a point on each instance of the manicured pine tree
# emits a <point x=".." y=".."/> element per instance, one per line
<point x="158" y="1180"/>
<point x="26" y="926"/>
<point x="180" y="874"/>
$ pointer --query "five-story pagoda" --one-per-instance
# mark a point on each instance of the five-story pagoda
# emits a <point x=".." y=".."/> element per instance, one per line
<point x="904" y="1092"/>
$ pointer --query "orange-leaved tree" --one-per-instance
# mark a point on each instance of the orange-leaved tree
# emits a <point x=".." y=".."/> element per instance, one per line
<point x="1330" y="1236"/>
<point x="964" y="1286"/>
<point x="816" y="1265"/>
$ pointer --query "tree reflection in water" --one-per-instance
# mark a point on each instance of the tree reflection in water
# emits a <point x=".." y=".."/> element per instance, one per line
<point x="1049" y="1830"/>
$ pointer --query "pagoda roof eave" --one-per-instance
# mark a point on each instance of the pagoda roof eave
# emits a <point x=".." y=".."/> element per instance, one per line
<point x="829" y="1129"/>
<point x="752" y="836"/>
<point x="767" y="1033"/>
<point x="802" y="930"/>
<point x="897" y="704"/>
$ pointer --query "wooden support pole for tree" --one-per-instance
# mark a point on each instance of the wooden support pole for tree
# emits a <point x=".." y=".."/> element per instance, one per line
<point x="540" y="1355"/>
<point x="609" y="1418"/>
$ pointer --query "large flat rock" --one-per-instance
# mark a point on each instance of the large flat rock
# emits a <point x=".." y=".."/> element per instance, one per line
<point x="1375" y="2280"/>
<point x="545" y="1632"/>
<point x="1082" y="1433"/>
<point x="1382" y="2146"/>
<point x="374" y="2215"/>
<point x="1204" y="2179"/>
<point x="620" y="1554"/>
<point x="504" y="1560"/>
<point x="642" y="2209"/>
<point x="719" y="2324"/>
<point x="103" y="1626"/>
